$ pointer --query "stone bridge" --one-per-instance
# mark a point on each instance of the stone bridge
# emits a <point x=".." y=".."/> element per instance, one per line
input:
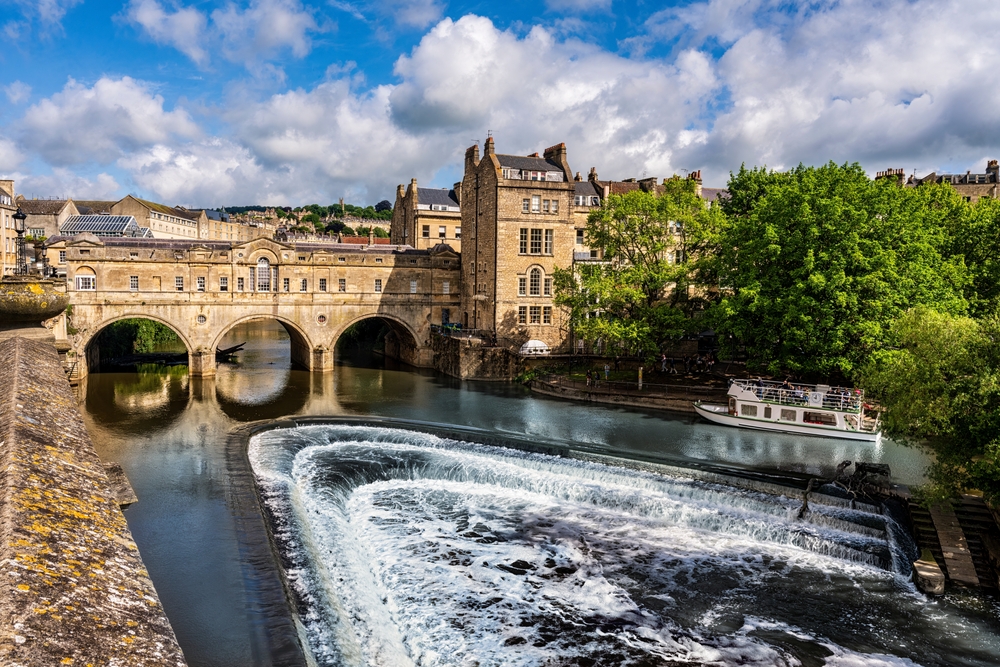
<point x="202" y="289"/>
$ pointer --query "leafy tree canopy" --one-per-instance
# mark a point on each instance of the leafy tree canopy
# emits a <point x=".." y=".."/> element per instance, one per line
<point x="817" y="263"/>
<point x="940" y="386"/>
<point x="976" y="238"/>
<point x="642" y="293"/>
<point x="383" y="205"/>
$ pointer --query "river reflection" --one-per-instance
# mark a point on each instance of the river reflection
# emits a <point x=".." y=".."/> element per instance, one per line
<point x="169" y="431"/>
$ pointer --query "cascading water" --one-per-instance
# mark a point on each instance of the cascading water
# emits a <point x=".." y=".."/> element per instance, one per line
<point x="408" y="549"/>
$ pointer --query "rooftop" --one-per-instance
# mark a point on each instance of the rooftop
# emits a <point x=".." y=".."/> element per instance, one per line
<point x="437" y="197"/>
<point x="530" y="163"/>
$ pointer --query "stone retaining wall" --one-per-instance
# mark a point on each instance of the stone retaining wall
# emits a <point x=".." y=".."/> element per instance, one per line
<point x="676" y="401"/>
<point x="468" y="359"/>
<point x="75" y="591"/>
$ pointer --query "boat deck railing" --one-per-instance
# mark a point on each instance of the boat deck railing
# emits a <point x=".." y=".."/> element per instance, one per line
<point x="842" y="399"/>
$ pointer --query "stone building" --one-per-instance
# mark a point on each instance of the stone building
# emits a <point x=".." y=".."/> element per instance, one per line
<point x="517" y="226"/>
<point x="425" y="217"/>
<point x="46" y="216"/>
<point x="8" y="251"/>
<point x="970" y="186"/>
<point x="165" y="222"/>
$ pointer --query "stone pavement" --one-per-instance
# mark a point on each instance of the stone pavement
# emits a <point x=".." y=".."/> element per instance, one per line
<point x="75" y="591"/>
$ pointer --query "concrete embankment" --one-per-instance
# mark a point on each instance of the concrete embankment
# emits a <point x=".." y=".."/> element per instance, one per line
<point x="677" y="399"/>
<point x="75" y="589"/>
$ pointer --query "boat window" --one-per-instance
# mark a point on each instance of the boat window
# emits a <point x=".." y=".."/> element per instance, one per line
<point x="748" y="410"/>
<point x="824" y="418"/>
<point x="767" y="412"/>
<point x="787" y="415"/>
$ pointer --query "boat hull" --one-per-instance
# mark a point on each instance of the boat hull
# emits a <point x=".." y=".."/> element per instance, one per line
<point x="719" y="414"/>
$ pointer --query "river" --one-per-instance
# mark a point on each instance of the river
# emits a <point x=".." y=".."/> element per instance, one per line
<point x="584" y="564"/>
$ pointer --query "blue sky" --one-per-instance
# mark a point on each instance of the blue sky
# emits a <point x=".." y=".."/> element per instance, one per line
<point x="210" y="103"/>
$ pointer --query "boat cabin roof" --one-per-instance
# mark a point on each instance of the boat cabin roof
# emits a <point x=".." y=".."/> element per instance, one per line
<point x="822" y="396"/>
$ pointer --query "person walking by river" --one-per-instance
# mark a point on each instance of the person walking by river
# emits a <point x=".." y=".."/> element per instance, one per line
<point x="607" y="371"/>
<point x="663" y="363"/>
<point x="589" y="377"/>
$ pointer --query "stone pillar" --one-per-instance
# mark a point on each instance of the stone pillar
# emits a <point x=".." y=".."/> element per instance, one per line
<point x="322" y="360"/>
<point x="201" y="362"/>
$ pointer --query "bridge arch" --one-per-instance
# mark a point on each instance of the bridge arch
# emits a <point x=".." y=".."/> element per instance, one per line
<point x="301" y="344"/>
<point x="90" y="354"/>
<point x="403" y="345"/>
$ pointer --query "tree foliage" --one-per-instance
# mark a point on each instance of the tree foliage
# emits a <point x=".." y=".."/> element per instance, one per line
<point x="976" y="238"/>
<point x="134" y="335"/>
<point x="816" y="264"/>
<point x="940" y="386"/>
<point x="642" y="293"/>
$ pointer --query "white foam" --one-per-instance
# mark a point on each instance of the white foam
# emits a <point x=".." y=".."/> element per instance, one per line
<point x="406" y="546"/>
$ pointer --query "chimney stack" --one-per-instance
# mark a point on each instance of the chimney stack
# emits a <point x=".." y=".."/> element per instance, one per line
<point x="557" y="154"/>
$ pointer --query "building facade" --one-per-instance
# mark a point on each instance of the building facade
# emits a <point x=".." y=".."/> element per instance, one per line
<point x="426" y="217"/>
<point x="8" y="251"/>
<point x="970" y="186"/>
<point x="517" y="227"/>
<point x="45" y="216"/>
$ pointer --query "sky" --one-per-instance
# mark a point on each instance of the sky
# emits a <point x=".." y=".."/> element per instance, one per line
<point x="290" y="102"/>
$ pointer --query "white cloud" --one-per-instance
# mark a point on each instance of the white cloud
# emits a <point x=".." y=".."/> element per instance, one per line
<point x="897" y="84"/>
<point x="579" y="5"/>
<point x="889" y="84"/>
<point x="248" y="35"/>
<point x="535" y="90"/>
<point x="184" y="29"/>
<point x="65" y="183"/>
<point x="11" y="156"/>
<point x="411" y="13"/>
<point x="101" y="123"/>
<point x="264" y="28"/>
<point x="17" y="92"/>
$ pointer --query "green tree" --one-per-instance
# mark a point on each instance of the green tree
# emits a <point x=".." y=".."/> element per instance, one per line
<point x="940" y="387"/>
<point x="975" y="238"/>
<point x="653" y="249"/>
<point x="816" y="265"/>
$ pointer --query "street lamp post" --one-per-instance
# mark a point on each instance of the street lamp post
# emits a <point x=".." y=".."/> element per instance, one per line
<point x="22" y="263"/>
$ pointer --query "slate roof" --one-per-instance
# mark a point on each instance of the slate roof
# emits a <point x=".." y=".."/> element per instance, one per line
<point x="529" y="163"/>
<point x="712" y="194"/>
<point x="169" y="210"/>
<point x="41" y="206"/>
<point x="437" y="197"/>
<point x="587" y="189"/>
<point x="211" y="214"/>
<point x="93" y="206"/>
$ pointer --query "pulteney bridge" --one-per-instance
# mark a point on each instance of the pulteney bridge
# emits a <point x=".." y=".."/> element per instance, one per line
<point x="202" y="289"/>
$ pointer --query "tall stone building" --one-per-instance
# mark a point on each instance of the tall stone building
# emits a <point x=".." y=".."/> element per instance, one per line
<point x="517" y="227"/>
<point x="425" y="217"/>
<point x="8" y="238"/>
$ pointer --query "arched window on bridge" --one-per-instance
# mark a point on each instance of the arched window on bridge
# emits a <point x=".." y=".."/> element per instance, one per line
<point x="263" y="275"/>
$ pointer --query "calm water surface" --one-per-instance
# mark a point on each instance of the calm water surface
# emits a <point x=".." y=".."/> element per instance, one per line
<point x="168" y="431"/>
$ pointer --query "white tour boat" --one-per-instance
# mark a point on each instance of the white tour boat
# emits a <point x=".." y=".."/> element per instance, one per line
<point x="820" y="410"/>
